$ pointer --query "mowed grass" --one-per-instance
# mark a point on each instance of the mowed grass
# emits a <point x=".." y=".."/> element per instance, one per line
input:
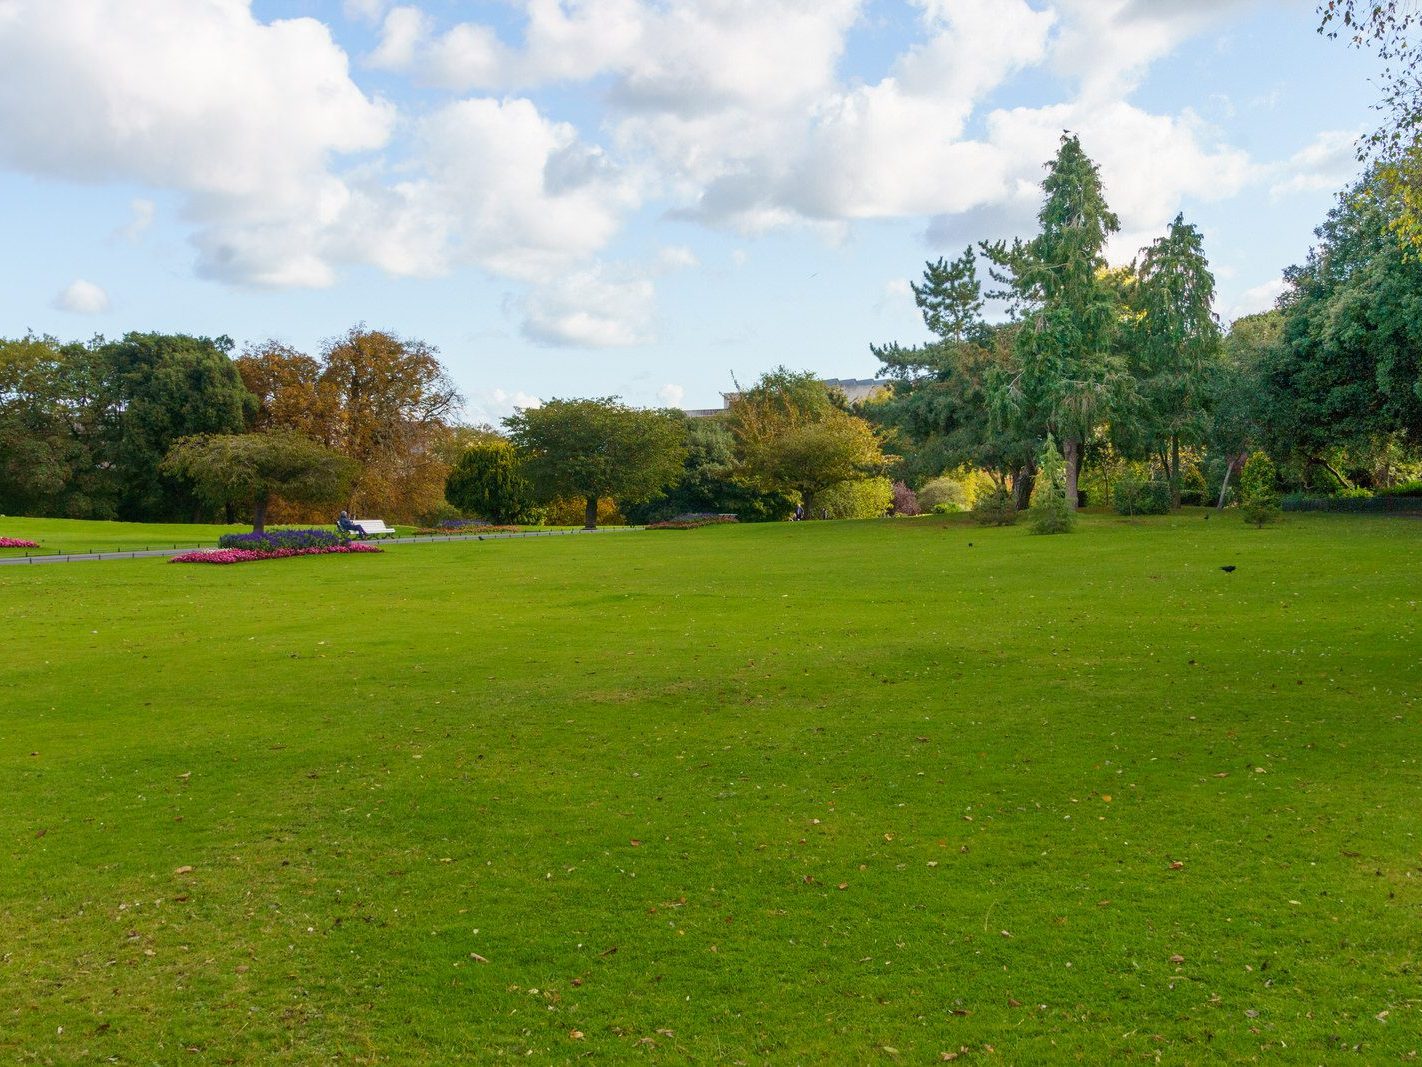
<point x="834" y="792"/>
<point x="73" y="536"/>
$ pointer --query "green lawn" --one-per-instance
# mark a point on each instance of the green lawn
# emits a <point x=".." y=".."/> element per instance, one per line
<point x="793" y="793"/>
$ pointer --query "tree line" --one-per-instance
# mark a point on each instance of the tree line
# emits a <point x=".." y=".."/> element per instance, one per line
<point x="1131" y="372"/>
<point x="173" y="428"/>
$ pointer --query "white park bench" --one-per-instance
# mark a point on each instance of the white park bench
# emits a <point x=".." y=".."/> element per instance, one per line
<point x="375" y="527"/>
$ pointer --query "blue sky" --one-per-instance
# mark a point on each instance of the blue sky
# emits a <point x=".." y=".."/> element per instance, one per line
<point x="631" y="197"/>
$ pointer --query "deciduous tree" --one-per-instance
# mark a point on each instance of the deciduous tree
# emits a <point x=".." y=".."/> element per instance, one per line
<point x="598" y="448"/>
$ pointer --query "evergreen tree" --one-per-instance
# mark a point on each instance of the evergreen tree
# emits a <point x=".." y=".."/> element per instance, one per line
<point x="1052" y="512"/>
<point x="1068" y="377"/>
<point x="1177" y="340"/>
<point x="486" y="481"/>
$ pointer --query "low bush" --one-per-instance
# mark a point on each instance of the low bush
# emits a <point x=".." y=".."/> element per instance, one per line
<point x="995" y="509"/>
<point x="939" y="491"/>
<point x="17" y="542"/>
<point x="1413" y="488"/>
<point x="272" y="540"/>
<point x="863" y="498"/>
<point x="1132" y="495"/>
<point x="905" y="500"/>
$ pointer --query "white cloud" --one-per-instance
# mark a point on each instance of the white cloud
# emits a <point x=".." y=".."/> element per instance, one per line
<point x="402" y="34"/>
<point x="365" y="10"/>
<point x="82" y="298"/>
<point x="1260" y="298"/>
<point x="671" y="395"/>
<point x="676" y="257"/>
<point x="1326" y="165"/>
<point x="491" y="406"/>
<point x="143" y="212"/>
<point x="600" y="307"/>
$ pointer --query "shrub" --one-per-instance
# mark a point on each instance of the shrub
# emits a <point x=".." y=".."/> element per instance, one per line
<point x="1133" y="495"/>
<point x="17" y="542"/>
<point x="1192" y="487"/>
<point x="996" y="508"/>
<point x="1256" y="489"/>
<point x="1413" y="488"/>
<point x="273" y="540"/>
<point x="905" y="500"/>
<point x="1050" y="511"/>
<point x="946" y="508"/>
<point x="865" y="498"/>
<point x="945" y="490"/>
<point x="569" y="512"/>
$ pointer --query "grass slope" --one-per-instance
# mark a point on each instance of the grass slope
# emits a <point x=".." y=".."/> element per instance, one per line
<point x="820" y="791"/>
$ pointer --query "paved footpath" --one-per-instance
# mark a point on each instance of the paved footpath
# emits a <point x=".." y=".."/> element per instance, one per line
<point x="142" y="553"/>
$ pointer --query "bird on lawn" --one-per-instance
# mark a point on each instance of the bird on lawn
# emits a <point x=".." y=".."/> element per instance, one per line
<point x="1228" y="568"/>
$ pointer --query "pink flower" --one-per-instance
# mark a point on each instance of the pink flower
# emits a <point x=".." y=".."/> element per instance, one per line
<point x="246" y="555"/>
<point x="17" y="542"/>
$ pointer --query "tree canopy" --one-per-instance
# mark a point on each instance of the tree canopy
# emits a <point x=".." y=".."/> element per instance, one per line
<point x="598" y="448"/>
<point x="253" y="468"/>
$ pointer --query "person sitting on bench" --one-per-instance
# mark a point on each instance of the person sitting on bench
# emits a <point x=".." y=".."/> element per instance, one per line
<point x="345" y="524"/>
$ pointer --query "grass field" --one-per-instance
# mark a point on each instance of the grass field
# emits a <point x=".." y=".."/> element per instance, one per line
<point x="819" y="792"/>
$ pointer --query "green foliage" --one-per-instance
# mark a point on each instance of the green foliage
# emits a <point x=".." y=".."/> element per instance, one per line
<point x="1051" y="513"/>
<point x="710" y="483"/>
<point x="1259" y="501"/>
<point x="995" y="508"/>
<point x="791" y="437"/>
<point x="864" y="498"/>
<point x="597" y="449"/>
<point x="487" y="482"/>
<point x="1193" y="489"/>
<point x="1069" y="376"/>
<point x="251" y="469"/>
<point x="950" y="493"/>
<point x="1134" y="495"/>
<point x="166" y="387"/>
<point x="1348" y="369"/>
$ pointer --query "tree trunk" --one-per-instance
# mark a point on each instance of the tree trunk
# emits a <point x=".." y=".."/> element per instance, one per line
<point x="1175" y="470"/>
<point x="1022" y="488"/>
<point x="1072" y="451"/>
<point x="1224" y="485"/>
<point x="259" y="515"/>
<point x="590" y="516"/>
<point x="1332" y="470"/>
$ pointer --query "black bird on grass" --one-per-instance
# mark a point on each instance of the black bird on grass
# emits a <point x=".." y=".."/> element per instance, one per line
<point x="1228" y="568"/>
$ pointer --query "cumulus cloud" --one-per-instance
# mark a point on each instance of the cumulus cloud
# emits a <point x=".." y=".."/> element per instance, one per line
<point x="1325" y="165"/>
<point x="601" y="307"/>
<point x="671" y="395"/>
<point x="82" y="298"/>
<point x="1260" y="298"/>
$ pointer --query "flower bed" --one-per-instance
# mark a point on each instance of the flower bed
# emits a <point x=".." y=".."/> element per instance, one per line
<point x="17" y="542"/>
<point x="247" y="555"/>
<point x="272" y="540"/>
<point x="692" y="522"/>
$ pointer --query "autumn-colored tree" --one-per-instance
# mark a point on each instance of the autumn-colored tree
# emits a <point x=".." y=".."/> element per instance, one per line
<point x="291" y="393"/>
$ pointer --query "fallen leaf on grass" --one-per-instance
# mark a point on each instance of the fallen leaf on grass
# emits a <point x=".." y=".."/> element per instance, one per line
<point x="184" y="869"/>
<point x="1176" y="865"/>
<point x="477" y="958"/>
<point x="1177" y="958"/>
<point x="635" y="843"/>
<point x="842" y="885"/>
<point x="576" y="1035"/>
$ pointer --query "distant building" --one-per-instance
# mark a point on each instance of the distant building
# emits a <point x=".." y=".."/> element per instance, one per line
<point x="854" y="390"/>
